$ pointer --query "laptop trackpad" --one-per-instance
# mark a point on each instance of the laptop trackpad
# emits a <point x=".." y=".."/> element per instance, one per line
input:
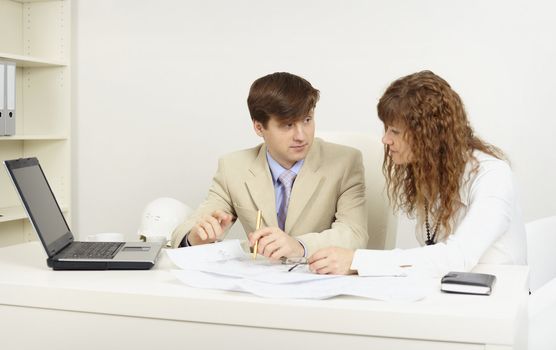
<point x="130" y="248"/>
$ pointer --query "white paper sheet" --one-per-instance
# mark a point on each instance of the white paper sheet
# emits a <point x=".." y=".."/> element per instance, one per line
<point x="191" y="257"/>
<point x="383" y="288"/>
<point x="227" y="258"/>
<point x="260" y="270"/>
<point x="225" y="266"/>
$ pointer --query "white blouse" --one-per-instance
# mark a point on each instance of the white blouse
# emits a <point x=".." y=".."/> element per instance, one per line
<point x="488" y="228"/>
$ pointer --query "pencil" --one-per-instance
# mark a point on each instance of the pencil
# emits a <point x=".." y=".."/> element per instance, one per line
<point x="259" y="213"/>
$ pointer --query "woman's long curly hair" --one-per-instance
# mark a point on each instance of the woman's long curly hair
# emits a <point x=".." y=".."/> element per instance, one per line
<point x="441" y="141"/>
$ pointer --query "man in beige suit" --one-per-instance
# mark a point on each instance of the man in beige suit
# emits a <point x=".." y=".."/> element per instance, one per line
<point x="325" y="205"/>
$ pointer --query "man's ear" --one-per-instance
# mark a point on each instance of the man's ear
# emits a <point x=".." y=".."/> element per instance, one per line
<point x="258" y="126"/>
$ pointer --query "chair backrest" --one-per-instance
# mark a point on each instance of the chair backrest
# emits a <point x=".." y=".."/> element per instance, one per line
<point x="542" y="317"/>
<point x="541" y="251"/>
<point x="381" y="221"/>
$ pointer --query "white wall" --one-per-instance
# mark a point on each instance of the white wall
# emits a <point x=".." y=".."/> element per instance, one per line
<point x="160" y="86"/>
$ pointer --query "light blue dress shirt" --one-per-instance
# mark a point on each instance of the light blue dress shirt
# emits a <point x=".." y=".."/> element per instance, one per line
<point x="276" y="170"/>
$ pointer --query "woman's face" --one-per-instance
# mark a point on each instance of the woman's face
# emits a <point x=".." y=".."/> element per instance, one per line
<point x="398" y="147"/>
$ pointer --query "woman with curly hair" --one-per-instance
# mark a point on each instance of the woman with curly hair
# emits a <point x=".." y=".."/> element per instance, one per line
<point x="458" y="187"/>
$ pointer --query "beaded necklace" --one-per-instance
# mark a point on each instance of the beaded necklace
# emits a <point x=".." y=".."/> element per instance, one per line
<point x="430" y="241"/>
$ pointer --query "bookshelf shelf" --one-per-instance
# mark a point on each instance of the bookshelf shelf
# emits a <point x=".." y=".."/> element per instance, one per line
<point x="14" y="213"/>
<point x="28" y="61"/>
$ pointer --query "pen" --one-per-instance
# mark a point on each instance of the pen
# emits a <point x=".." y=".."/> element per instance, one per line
<point x="259" y="213"/>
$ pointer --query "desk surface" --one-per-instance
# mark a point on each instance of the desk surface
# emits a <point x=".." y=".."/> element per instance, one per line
<point x="26" y="281"/>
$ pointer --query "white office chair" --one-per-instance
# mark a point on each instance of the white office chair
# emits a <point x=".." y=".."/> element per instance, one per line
<point x="542" y="317"/>
<point x="541" y="255"/>
<point x="541" y="251"/>
<point x="381" y="221"/>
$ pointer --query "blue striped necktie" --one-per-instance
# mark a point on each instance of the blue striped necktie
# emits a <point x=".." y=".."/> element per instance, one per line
<point x="286" y="180"/>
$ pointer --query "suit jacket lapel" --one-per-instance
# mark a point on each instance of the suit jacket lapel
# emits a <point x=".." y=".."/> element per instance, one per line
<point x="306" y="184"/>
<point x="261" y="189"/>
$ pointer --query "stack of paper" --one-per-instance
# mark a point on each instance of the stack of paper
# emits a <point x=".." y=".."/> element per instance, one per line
<point x="226" y="266"/>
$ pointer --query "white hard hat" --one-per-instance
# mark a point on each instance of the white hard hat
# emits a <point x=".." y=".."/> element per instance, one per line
<point x="160" y="217"/>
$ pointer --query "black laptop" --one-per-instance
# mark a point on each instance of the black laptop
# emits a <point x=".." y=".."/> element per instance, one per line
<point x="64" y="253"/>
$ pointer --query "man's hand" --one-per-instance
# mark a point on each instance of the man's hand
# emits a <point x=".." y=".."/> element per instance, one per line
<point x="275" y="243"/>
<point x="210" y="228"/>
<point x="333" y="260"/>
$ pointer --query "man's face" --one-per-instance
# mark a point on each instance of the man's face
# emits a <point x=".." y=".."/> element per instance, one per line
<point x="399" y="149"/>
<point x="288" y="142"/>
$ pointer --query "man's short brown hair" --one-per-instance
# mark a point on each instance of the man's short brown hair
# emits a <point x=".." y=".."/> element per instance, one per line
<point x="281" y="95"/>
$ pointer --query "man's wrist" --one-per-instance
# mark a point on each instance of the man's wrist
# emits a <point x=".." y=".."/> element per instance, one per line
<point x="193" y="239"/>
<point x="185" y="241"/>
<point x="303" y="250"/>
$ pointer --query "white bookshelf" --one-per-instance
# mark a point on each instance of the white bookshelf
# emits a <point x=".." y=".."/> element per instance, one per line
<point x="36" y="36"/>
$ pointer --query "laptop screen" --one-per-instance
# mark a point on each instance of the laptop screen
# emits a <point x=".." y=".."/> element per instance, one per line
<point x="40" y="203"/>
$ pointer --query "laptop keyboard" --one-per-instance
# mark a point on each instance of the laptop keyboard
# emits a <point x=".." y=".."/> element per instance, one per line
<point x="91" y="250"/>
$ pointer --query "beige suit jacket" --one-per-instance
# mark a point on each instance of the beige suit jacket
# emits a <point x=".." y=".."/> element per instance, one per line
<point x="327" y="203"/>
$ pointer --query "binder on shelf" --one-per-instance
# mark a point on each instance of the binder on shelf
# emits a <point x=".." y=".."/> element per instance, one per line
<point x="2" y="98"/>
<point x="10" y="99"/>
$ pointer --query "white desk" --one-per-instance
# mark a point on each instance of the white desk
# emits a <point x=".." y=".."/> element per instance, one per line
<point x="41" y="308"/>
